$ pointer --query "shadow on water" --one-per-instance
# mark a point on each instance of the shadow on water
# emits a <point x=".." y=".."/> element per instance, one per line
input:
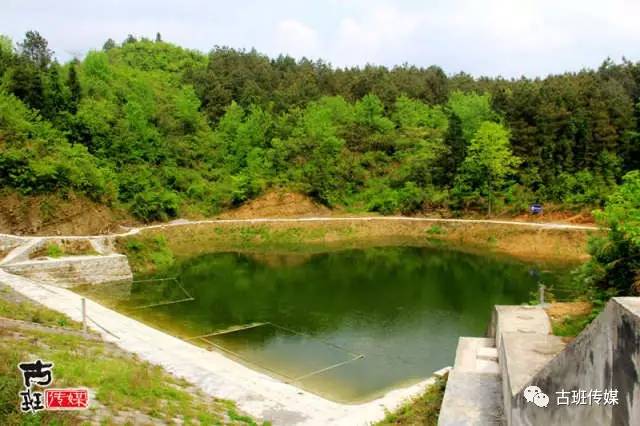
<point x="348" y="325"/>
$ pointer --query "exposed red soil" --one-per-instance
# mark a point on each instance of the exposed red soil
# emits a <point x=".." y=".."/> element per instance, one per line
<point x="53" y="215"/>
<point x="581" y="218"/>
<point x="559" y="311"/>
<point x="278" y="204"/>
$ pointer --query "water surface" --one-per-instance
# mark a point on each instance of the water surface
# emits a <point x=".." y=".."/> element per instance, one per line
<point x="348" y="325"/>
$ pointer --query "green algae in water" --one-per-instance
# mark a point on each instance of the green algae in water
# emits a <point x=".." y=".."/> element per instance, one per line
<point x="380" y="317"/>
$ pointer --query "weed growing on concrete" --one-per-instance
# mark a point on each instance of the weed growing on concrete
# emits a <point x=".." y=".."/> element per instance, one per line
<point x="423" y="410"/>
<point x="54" y="250"/>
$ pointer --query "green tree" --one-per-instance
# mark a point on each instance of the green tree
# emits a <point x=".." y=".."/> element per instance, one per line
<point x="488" y="162"/>
<point x="73" y="83"/>
<point x="457" y="146"/>
<point x="420" y="141"/>
<point x="472" y="109"/>
<point x="35" y="49"/>
<point x="176" y="129"/>
<point x="7" y="56"/>
<point x="130" y="39"/>
<point x="109" y="44"/>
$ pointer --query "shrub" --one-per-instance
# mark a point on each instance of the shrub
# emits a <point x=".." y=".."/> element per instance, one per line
<point x="385" y="202"/>
<point x="156" y="205"/>
<point x="410" y="198"/>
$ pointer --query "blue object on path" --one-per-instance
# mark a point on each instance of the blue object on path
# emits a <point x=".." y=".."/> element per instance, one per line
<point x="536" y="208"/>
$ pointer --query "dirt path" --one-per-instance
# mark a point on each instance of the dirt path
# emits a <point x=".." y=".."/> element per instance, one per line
<point x="185" y="222"/>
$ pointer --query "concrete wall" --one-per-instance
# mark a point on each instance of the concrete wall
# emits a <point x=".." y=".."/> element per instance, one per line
<point x="68" y="272"/>
<point x="606" y="355"/>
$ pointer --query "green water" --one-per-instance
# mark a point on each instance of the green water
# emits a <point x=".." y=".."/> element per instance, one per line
<point x="387" y="317"/>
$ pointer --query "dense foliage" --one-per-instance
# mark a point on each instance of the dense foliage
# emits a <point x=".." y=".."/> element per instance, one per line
<point x="615" y="263"/>
<point x="167" y="131"/>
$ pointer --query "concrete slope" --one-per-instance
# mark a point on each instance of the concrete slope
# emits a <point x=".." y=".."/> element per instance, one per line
<point x="256" y="393"/>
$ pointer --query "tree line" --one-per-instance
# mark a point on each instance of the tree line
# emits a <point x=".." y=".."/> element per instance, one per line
<point x="165" y="131"/>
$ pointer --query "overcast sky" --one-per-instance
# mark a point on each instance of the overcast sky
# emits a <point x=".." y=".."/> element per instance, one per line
<point x="482" y="37"/>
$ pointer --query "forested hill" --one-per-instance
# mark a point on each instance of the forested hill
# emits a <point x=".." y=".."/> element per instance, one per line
<point x="163" y="130"/>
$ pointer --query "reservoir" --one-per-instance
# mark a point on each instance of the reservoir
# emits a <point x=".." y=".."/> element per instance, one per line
<point x="348" y="325"/>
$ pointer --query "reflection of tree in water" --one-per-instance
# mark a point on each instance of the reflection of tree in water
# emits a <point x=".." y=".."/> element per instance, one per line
<point x="375" y="285"/>
<point x="276" y="260"/>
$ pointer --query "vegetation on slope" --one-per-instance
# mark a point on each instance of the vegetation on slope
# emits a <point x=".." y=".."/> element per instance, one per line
<point x="614" y="266"/>
<point x="164" y="131"/>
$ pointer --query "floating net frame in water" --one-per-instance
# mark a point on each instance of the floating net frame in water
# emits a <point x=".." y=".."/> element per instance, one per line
<point x="188" y="298"/>
<point x="206" y="339"/>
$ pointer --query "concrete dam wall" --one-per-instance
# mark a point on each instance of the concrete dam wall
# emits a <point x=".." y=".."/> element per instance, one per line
<point x="605" y="356"/>
<point x="70" y="271"/>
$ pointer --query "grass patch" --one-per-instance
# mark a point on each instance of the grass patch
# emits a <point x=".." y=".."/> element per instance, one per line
<point x="148" y="254"/>
<point x="27" y="311"/>
<point x="121" y="382"/>
<point x="233" y="415"/>
<point x="423" y="410"/>
<point x="435" y="230"/>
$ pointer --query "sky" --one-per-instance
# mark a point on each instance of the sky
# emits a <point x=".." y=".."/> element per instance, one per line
<point x="510" y="38"/>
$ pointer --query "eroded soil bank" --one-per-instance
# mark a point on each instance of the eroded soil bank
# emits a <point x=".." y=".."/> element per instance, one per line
<point x="55" y="215"/>
<point x="553" y="247"/>
<point x="77" y="215"/>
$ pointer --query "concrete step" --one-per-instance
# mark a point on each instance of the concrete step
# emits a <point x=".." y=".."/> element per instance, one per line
<point x="474" y="391"/>
<point x="488" y="354"/>
<point x="471" y="399"/>
<point x="475" y="355"/>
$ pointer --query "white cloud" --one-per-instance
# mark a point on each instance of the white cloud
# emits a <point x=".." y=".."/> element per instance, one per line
<point x="296" y="38"/>
<point x="370" y="36"/>
<point x="508" y="37"/>
<point x="532" y="37"/>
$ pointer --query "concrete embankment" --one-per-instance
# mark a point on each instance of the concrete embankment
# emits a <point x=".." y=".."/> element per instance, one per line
<point x="103" y="266"/>
<point x="71" y="271"/>
<point x="261" y="396"/>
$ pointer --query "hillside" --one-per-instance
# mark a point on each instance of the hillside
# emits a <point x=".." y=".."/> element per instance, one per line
<point x="152" y="131"/>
